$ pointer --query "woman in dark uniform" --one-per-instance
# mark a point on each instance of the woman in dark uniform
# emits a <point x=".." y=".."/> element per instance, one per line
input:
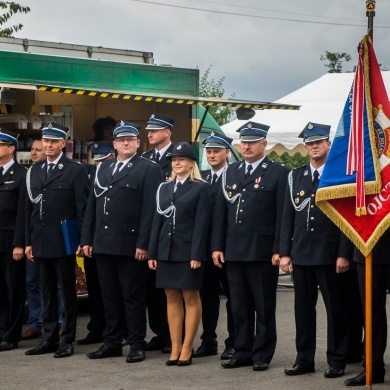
<point x="177" y="248"/>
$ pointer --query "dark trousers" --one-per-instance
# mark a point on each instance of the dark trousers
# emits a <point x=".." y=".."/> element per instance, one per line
<point x="380" y="281"/>
<point x="306" y="282"/>
<point x="253" y="291"/>
<point x="123" y="283"/>
<point x="156" y="302"/>
<point x="12" y="297"/>
<point x="215" y="279"/>
<point x="53" y="272"/>
<point x="97" y="322"/>
<point x="355" y="317"/>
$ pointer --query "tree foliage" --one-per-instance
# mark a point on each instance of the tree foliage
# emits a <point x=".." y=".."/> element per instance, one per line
<point x="290" y="161"/>
<point x="211" y="88"/>
<point x="10" y="8"/>
<point x="335" y="61"/>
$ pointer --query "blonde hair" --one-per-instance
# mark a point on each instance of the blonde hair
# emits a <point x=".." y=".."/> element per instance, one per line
<point x="194" y="173"/>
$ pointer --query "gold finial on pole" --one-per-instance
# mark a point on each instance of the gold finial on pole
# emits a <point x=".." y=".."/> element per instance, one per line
<point x="370" y="13"/>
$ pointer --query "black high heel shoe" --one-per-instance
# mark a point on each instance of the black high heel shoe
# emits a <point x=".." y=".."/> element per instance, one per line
<point x="182" y="363"/>
<point x="172" y="362"/>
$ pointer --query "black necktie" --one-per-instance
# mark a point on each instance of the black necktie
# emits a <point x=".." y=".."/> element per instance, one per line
<point x="1" y="171"/>
<point x="178" y="185"/>
<point x="50" y="169"/>
<point x="116" y="172"/>
<point x="157" y="157"/>
<point x="214" y="179"/>
<point x="248" y="171"/>
<point x="316" y="175"/>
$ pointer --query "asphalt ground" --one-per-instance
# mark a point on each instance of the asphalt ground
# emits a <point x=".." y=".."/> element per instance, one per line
<point x="18" y="371"/>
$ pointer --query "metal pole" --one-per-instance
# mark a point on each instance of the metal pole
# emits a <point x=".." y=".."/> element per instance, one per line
<point x="370" y="13"/>
<point x="368" y="321"/>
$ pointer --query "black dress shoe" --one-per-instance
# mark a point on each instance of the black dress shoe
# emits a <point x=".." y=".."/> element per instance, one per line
<point x="183" y="363"/>
<point x="125" y="342"/>
<point x="299" y="369"/>
<point x="260" y="366"/>
<point x="5" y="346"/>
<point x="135" y="356"/>
<point x="64" y="350"/>
<point x="205" y="350"/>
<point x="227" y="354"/>
<point x="360" y="379"/>
<point x="44" y="347"/>
<point x="155" y="344"/>
<point x="92" y="338"/>
<point x="105" y="352"/>
<point x="234" y="363"/>
<point x="334" y="372"/>
<point x="172" y="362"/>
<point x="167" y="349"/>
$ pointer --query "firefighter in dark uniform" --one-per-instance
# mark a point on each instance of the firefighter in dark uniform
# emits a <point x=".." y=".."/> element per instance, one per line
<point x="57" y="191"/>
<point x="380" y="283"/>
<point x="12" y="264"/>
<point x="101" y="151"/>
<point x="159" y="129"/>
<point x="245" y="235"/>
<point x="317" y="252"/>
<point x="217" y="153"/>
<point x="116" y="231"/>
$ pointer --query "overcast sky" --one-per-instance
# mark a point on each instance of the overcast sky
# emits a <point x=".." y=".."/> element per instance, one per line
<point x="263" y="58"/>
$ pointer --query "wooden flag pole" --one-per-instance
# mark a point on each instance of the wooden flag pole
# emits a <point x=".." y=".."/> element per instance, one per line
<point x="368" y="321"/>
<point x="370" y="13"/>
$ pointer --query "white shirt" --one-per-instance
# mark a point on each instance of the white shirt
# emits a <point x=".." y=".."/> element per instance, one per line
<point x="162" y="151"/>
<point x="55" y="162"/>
<point x="7" y="166"/>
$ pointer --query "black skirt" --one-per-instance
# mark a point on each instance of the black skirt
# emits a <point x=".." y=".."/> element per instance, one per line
<point x="178" y="274"/>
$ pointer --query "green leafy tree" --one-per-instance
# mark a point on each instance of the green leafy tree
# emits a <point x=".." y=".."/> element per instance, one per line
<point x="9" y="10"/>
<point x="335" y="61"/>
<point x="291" y="162"/>
<point x="212" y="88"/>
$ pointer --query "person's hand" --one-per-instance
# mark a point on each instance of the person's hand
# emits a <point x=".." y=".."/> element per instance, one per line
<point x="342" y="265"/>
<point x="286" y="264"/>
<point x="141" y="254"/>
<point x="194" y="264"/>
<point x="88" y="250"/>
<point x="218" y="258"/>
<point x="275" y="259"/>
<point x="152" y="264"/>
<point x="18" y="253"/>
<point x="28" y="253"/>
<point x="80" y="251"/>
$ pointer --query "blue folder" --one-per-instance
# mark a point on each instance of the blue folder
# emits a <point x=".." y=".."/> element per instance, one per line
<point x="71" y="233"/>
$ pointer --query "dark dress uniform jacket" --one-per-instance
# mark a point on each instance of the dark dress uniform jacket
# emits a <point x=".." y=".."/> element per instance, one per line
<point x="164" y="163"/>
<point x="64" y="196"/>
<point x="12" y="200"/>
<point x="119" y="220"/>
<point x="252" y="232"/>
<point x="309" y="237"/>
<point x="183" y="238"/>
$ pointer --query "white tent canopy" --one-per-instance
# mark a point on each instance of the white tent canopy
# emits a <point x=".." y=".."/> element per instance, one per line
<point x="321" y="101"/>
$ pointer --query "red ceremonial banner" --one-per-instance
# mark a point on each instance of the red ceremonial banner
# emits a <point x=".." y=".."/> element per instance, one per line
<point x="354" y="190"/>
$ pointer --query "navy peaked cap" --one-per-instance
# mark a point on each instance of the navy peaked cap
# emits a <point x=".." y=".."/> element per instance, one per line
<point x="8" y="137"/>
<point x="125" y="129"/>
<point x="253" y="131"/>
<point x="55" y="131"/>
<point x="159" y="122"/>
<point x="314" y="132"/>
<point x="102" y="149"/>
<point x="217" y="141"/>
